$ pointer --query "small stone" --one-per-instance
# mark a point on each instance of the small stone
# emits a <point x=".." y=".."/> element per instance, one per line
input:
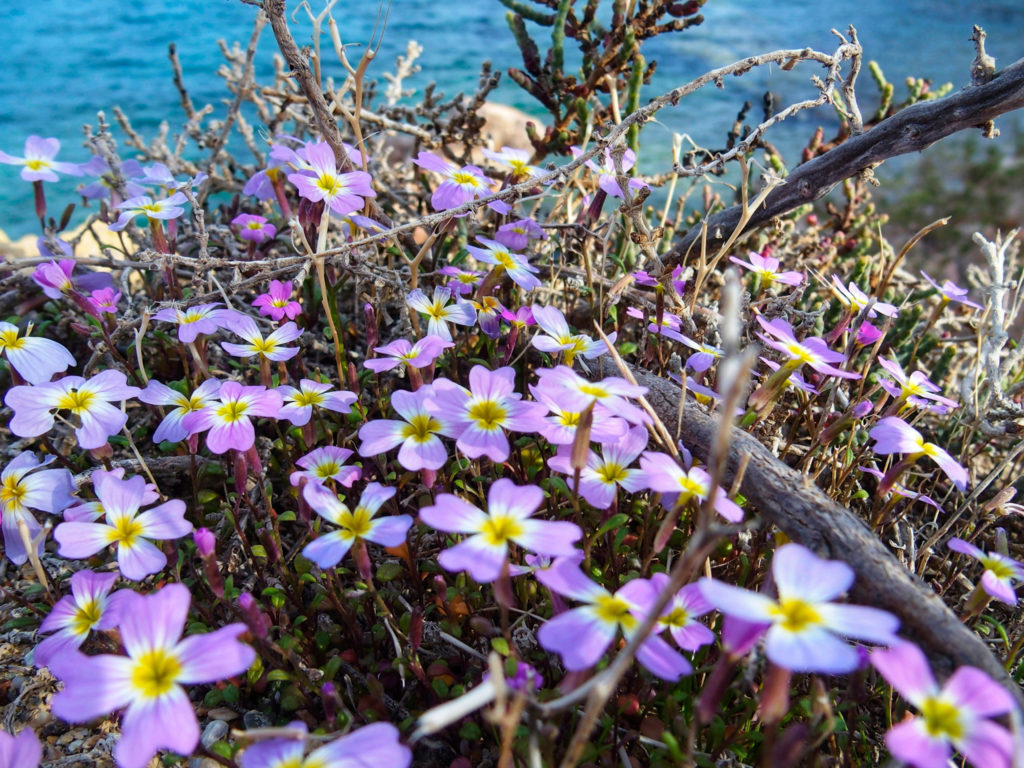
<point x="253" y="719"/>
<point x="214" y="731"/>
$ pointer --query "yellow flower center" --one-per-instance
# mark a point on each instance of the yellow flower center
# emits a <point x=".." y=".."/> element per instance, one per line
<point x="504" y="259"/>
<point x="329" y="185"/>
<point x="151" y="208"/>
<point x="11" y="493"/>
<point x="569" y="419"/>
<point x="497" y="530"/>
<point x="488" y="414"/>
<point x="232" y="411"/>
<point x="614" y="610"/>
<point x="691" y="487"/>
<point x="125" y="531"/>
<point x="85" y="618"/>
<point x="941" y="718"/>
<point x="466" y="179"/>
<point x="594" y="391"/>
<point x="356" y="524"/>
<point x="677" y="618"/>
<point x="10" y="340"/>
<point x="800" y="352"/>
<point x="421" y="427"/>
<point x="519" y="168"/>
<point x="436" y="310"/>
<point x="327" y="469"/>
<point x="309" y="398"/>
<point x="795" y="614"/>
<point x="998" y="568"/>
<point x="611" y="473"/>
<point x="76" y="401"/>
<point x="155" y="673"/>
<point x="35" y="165"/>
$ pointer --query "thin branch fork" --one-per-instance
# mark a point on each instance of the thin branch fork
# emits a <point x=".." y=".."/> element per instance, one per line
<point x="807" y="514"/>
<point x="910" y="130"/>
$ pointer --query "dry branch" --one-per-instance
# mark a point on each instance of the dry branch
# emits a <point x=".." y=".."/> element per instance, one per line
<point x="806" y="514"/>
<point x="909" y="130"/>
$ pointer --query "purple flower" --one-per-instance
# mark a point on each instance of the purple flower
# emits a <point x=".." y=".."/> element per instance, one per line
<point x="104" y="300"/>
<point x="353" y="525"/>
<point x="681" y="614"/>
<point x="893" y="435"/>
<point x="574" y="393"/>
<point x="802" y="622"/>
<point x="950" y="291"/>
<point x="953" y="716"/>
<point x="517" y="160"/>
<point x="583" y="634"/>
<point x="90" y="401"/>
<point x="374" y="744"/>
<point x="460" y="185"/>
<point x="603" y="474"/>
<point x="272" y="347"/>
<point x="417" y="434"/>
<point x="147" y="682"/>
<point x="326" y="463"/>
<point x="516" y="235"/>
<point x="559" y="338"/>
<point x="519" y="270"/>
<point x="23" y="488"/>
<point x="560" y="425"/>
<point x="277" y="302"/>
<point x="767" y="269"/>
<point x="856" y="300"/>
<point x="89" y="606"/>
<point x="608" y="173"/>
<point x="21" y="751"/>
<point x="488" y="310"/>
<point x="915" y="389"/>
<point x="54" y="277"/>
<point x="202" y="318"/>
<point x="481" y="414"/>
<point x="298" y="408"/>
<point x="255" y="229"/>
<point x="440" y="312"/>
<point x="38" y="161"/>
<point x="704" y="355"/>
<point x="867" y="334"/>
<point x="344" y="193"/>
<point x="462" y="281"/>
<point x="229" y="420"/>
<point x="1000" y="570"/>
<point x="902" y="491"/>
<point x="419" y="355"/>
<point x="664" y="475"/>
<point x="171" y="428"/>
<point x="811" y="351"/>
<point x="508" y="518"/>
<point x="129" y="531"/>
<point x="144" y="205"/>
<point x="34" y="358"/>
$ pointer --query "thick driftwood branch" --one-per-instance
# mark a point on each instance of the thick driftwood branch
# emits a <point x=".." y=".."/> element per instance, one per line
<point x="806" y="514"/>
<point x="909" y="130"/>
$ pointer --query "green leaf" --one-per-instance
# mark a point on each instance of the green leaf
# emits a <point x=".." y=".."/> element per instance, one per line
<point x="500" y="644"/>
<point x="615" y="521"/>
<point x="278" y="675"/>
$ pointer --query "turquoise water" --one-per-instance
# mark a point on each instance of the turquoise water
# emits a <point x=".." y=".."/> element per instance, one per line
<point x="63" y="61"/>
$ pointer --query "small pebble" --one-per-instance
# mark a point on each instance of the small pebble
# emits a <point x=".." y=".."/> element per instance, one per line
<point x="214" y="731"/>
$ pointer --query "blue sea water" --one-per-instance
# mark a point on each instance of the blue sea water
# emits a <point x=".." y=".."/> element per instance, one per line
<point x="63" y="60"/>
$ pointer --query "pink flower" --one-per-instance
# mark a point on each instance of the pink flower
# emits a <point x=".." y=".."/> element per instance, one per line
<point x="353" y="525"/>
<point x="298" y="408"/>
<point x="893" y="435"/>
<point x="272" y="347"/>
<point x="517" y="160"/>
<point x="54" y="277"/>
<point x="559" y="338"/>
<point x="202" y="318"/>
<point x="953" y="716"/>
<point x="277" y="302"/>
<point x="582" y="635"/>
<point x="419" y="355"/>
<point x="519" y="270"/>
<point x="440" y="312"/>
<point x="811" y="351"/>
<point x="34" y="358"/>
<point x="38" y="161"/>
<point x="125" y="527"/>
<point x="463" y="281"/>
<point x="802" y="622"/>
<point x="664" y="475"/>
<point x="144" y="205"/>
<point x="856" y="300"/>
<point x="21" y="751"/>
<point x="516" y="235"/>
<point x="603" y="474"/>
<point x="172" y="428"/>
<point x="344" y="193"/>
<point x="608" y="173"/>
<point x="22" y="489"/>
<point x="560" y="425"/>
<point x="575" y="394"/>
<point x="89" y="606"/>
<point x="147" y="682"/>
<point x="104" y="300"/>
<point x="767" y="269"/>
<point x="90" y="401"/>
<point x="417" y="433"/>
<point x="326" y="463"/>
<point x="915" y="389"/>
<point x="950" y="291"/>
<point x="229" y="419"/>
<point x="374" y="744"/>
<point x="1000" y="570"/>
<point x="508" y="518"/>
<point x="681" y="614"/>
<point x="481" y="414"/>
<point x="460" y="185"/>
<point x="255" y="229"/>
